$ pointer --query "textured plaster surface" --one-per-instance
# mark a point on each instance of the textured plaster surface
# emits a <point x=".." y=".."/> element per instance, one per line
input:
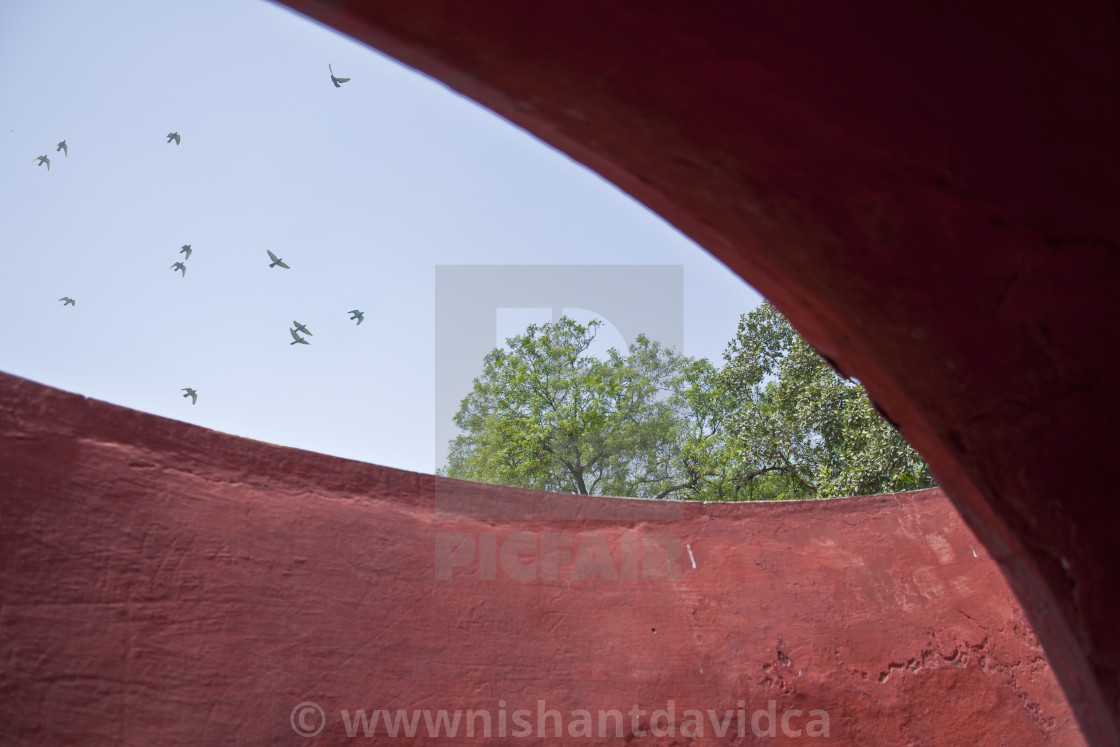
<point x="928" y="191"/>
<point x="165" y="584"/>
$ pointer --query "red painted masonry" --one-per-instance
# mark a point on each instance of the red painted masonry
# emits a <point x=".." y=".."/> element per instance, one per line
<point x="165" y="584"/>
<point x="928" y="191"/>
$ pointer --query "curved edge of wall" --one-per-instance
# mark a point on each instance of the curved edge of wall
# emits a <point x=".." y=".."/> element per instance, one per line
<point x="161" y="583"/>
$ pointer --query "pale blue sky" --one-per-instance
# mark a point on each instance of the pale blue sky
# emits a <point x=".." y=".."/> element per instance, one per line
<point x="363" y="190"/>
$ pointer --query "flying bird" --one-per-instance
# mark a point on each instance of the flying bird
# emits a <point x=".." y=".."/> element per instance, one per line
<point x="42" y="160"/>
<point x="62" y="147"/>
<point x="67" y="301"/>
<point x="192" y="394"/>
<point x="180" y="266"/>
<point x="276" y="261"/>
<point x="173" y="136"/>
<point x="355" y="314"/>
<point x="297" y="339"/>
<point x="186" y="250"/>
<point x="337" y="81"/>
<point x="303" y="329"/>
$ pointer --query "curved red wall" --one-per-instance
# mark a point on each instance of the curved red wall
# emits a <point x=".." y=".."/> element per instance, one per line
<point x="928" y="191"/>
<point x="165" y="584"/>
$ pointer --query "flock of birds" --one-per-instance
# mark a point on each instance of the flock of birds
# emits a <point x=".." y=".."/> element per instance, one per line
<point x="61" y="147"/>
<point x="181" y="266"/>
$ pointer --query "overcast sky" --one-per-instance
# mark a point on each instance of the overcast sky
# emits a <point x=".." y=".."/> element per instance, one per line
<point x="363" y="190"/>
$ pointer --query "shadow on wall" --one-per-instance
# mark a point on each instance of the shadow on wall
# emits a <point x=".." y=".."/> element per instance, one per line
<point x="928" y="193"/>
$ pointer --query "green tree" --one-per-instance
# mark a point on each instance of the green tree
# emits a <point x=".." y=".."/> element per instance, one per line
<point x="545" y="414"/>
<point x="777" y="422"/>
<point x="797" y="429"/>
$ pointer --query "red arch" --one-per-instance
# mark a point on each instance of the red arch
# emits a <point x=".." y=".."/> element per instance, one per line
<point x="929" y="193"/>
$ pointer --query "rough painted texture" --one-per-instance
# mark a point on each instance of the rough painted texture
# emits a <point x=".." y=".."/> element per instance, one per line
<point x="927" y="190"/>
<point x="165" y="584"/>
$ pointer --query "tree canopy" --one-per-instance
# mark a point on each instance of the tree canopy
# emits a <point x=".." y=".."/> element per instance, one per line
<point x="798" y="429"/>
<point x="776" y="422"/>
<point x="546" y="415"/>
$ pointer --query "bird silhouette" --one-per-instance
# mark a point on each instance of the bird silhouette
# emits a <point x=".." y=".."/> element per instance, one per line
<point x="180" y="266"/>
<point x="173" y="136"/>
<point x="276" y="261"/>
<point x="62" y="147"/>
<point x="67" y="301"/>
<point x="44" y="159"/>
<point x="303" y="329"/>
<point x="297" y="339"/>
<point x="355" y="314"/>
<point x="192" y="394"/>
<point x="337" y="81"/>
<point x="186" y="250"/>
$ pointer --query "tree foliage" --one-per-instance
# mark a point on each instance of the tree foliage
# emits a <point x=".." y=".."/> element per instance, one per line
<point x="800" y="430"/>
<point x="775" y="423"/>
<point x="546" y="415"/>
